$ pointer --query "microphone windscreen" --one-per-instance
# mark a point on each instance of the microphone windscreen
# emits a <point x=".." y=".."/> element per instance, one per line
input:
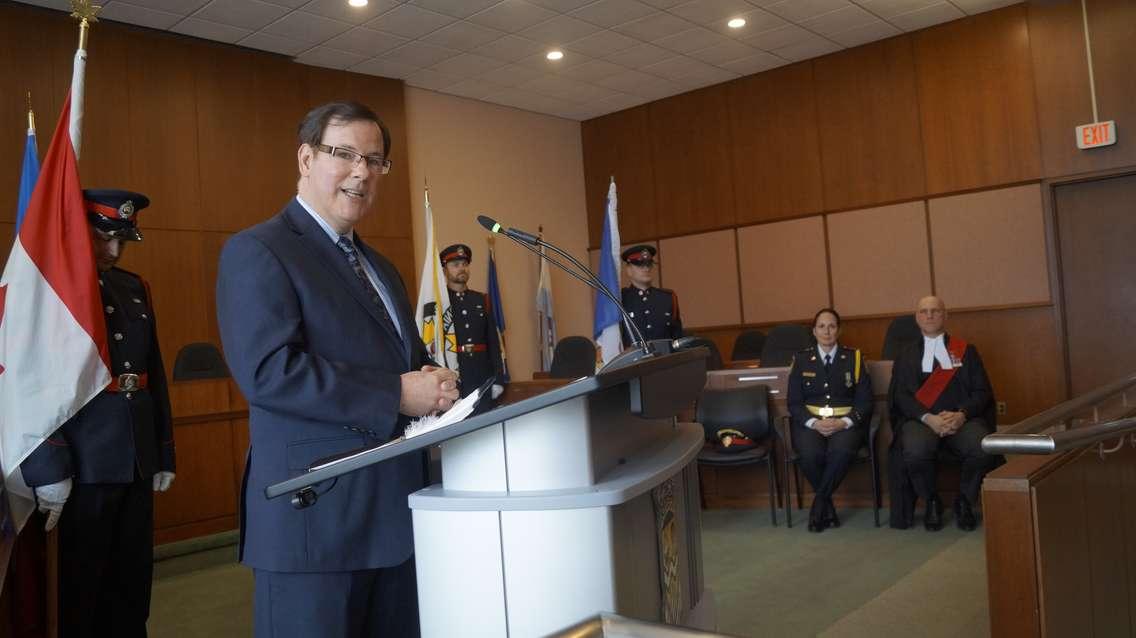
<point x="489" y="223"/>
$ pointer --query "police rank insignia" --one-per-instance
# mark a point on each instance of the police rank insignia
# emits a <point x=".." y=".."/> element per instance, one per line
<point x="126" y="211"/>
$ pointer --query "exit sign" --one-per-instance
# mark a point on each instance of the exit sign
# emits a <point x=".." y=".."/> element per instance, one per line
<point x="1096" y="134"/>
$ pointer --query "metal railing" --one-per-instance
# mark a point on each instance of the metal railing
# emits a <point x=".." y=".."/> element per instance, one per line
<point x="1030" y="436"/>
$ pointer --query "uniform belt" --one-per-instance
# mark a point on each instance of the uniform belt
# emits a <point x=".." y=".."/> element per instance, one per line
<point x="825" y="411"/>
<point x="474" y="347"/>
<point x="128" y="382"/>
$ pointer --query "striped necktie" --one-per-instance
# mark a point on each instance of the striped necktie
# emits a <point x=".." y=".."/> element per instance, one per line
<point x="352" y="256"/>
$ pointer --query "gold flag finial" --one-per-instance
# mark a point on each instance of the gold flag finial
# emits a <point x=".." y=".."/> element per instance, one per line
<point x="31" y="114"/>
<point x="84" y="12"/>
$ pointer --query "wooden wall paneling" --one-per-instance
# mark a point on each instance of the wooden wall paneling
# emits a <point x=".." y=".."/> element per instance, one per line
<point x="866" y="334"/>
<point x="162" y="107"/>
<point x="870" y="140"/>
<point x="278" y="114"/>
<point x="239" y="435"/>
<point x="1061" y="521"/>
<point x="775" y="146"/>
<point x="1106" y="540"/>
<point x="976" y="102"/>
<point x="109" y="133"/>
<point x="400" y="250"/>
<point x="690" y="150"/>
<point x="203" y="489"/>
<point x="989" y="247"/>
<point x="1011" y="564"/>
<point x="784" y="270"/>
<point x="619" y="145"/>
<point x="1062" y="82"/>
<point x="197" y="397"/>
<point x="707" y="295"/>
<point x="23" y="68"/>
<point x="879" y="257"/>
<point x="7" y="237"/>
<point x="228" y="158"/>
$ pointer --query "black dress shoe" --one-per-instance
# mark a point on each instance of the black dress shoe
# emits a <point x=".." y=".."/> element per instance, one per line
<point x="831" y="520"/>
<point x="933" y="517"/>
<point x="964" y="515"/>
<point x="817" y="517"/>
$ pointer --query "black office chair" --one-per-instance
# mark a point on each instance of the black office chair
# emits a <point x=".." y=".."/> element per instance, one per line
<point x="199" y="361"/>
<point x="714" y="361"/>
<point x="574" y="357"/>
<point x="901" y="332"/>
<point x="748" y="345"/>
<point x="867" y="452"/>
<point x="782" y="343"/>
<point x="746" y="409"/>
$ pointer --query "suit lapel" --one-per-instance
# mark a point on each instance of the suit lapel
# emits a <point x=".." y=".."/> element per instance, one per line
<point x="398" y="295"/>
<point x="332" y="258"/>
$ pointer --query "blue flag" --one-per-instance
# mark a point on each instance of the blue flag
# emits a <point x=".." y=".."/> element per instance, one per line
<point x="494" y="292"/>
<point x="28" y="176"/>
<point x="607" y="317"/>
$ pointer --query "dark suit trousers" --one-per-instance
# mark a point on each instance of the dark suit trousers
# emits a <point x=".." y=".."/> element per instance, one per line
<point x="369" y="603"/>
<point x="825" y="460"/>
<point x="921" y="447"/>
<point x="106" y="554"/>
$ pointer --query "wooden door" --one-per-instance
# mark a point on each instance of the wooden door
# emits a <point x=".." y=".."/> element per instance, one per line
<point x="1096" y="227"/>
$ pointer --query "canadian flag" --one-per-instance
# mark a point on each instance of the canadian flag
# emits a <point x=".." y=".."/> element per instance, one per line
<point x="53" y="346"/>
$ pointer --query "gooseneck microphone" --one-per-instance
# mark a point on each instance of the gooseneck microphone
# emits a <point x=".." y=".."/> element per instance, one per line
<point x="584" y="274"/>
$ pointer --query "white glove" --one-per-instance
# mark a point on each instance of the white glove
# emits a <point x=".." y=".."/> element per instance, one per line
<point x="51" y="499"/>
<point x="496" y="390"/>
<point x="163" y="480"/>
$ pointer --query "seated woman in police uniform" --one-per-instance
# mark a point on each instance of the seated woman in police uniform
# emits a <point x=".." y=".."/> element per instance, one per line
<point x="830" y="405"/>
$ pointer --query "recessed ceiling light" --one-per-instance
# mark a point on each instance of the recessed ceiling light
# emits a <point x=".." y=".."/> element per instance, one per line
<point x="736" y="23"/>
<point x="554" y="55"/>
<point x="357" y="3"/>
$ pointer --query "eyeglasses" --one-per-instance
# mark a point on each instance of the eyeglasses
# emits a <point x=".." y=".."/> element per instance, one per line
<point x="375" y="163"/>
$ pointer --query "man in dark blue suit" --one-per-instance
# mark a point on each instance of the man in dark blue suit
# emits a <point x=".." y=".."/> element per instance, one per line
<point x="319" y="334"/>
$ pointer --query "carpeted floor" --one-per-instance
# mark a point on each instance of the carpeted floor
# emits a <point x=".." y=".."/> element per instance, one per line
<point x="767" y="581"/>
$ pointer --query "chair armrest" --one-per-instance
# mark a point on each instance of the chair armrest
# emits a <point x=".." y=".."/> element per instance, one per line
<point x="782" y="428"/>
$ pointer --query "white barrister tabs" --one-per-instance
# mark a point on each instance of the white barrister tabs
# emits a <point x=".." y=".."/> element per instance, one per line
<point x="574" y="502"/>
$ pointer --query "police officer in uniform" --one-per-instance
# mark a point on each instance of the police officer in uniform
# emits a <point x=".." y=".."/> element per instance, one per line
<point x="97" y="473"/>
<point x="830" y="406"/>
<point x="654" y="310"/>
<point x="479" y="349"/>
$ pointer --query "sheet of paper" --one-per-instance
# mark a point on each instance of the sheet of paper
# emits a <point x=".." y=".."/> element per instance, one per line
<point x="456" y="413"/>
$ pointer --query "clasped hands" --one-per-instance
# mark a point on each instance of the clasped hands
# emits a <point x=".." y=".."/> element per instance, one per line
<point x="945" y="423"/>
<point x="428" y="390"/>
<point x="829" y="426"/>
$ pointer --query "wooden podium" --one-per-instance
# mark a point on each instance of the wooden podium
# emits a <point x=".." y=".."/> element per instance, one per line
<point x="577" y="501"/>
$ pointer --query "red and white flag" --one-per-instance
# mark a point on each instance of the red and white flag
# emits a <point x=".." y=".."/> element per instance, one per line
<point x="53" y="347"/>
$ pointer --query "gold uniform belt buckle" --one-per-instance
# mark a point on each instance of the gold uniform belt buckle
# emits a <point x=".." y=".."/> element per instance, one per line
<point x="827" y="412"/>
<point x="128" y="382"/>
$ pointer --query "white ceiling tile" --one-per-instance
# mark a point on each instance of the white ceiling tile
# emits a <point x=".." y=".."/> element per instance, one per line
<point x="463" y="36"/>
<point x="476" y="88"/>
<point x="385" y="68"/>
<point x="840" y="21"/>
<point x="529" y="101"/>
<point x="544" y="65"/>
<point x="456" y="8"/>
<point x="800" y="10"/>
<point x="410" y="21"/>
<point x="142" y="16"/>
<point x="663" y="4"/>
<point x="807" y="49"/>
<point x="511" y="16"/>
<point x="639" y="56"/>
<point x="183" y="7"/>
<point x="677" y="68"/>
<point x="246" y="14"/>
<point x="978" y="6"/>
<point x="563" y="6"/>
<point x="888" y="8"/>
<point x="778" y="38"/>
<point x="653" y="27"/>
<point x="58" y="5"/>
<point x="274" y="43"/>
<point x="307" y="27"/>
<point x="711" y="75"/>
<point x="511" y="75"/>
<point x="330" y="58"/>
<point x="757" y="20"/>
<point x="934" y="14"/>
<point x="603" y="43"/>
<point x="616" y="102"/>
<point x="592" y="70"/>
<point x="293" y="4"/>
<point x="419" y="54"/>
<point x="723" y="52"/>
<point x="756" y="63"/>
<point x="608" y="13"/>
<point x="510" y="48"/>
<point x="637" y="83"/>
<point x="657" y="90"/>
<point x="340" y="10"/>
<point x="691" y="40"/>
<point x="199" y="28"/>
<point x="366" y="42"/>
<point x="565" y="88"/>
<point x="711" y="12"/>
<point x="467" y="64"/>
<point x="868" y="33"/>
<point x="429" y="79"/>
<point x="559" y="30"/>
